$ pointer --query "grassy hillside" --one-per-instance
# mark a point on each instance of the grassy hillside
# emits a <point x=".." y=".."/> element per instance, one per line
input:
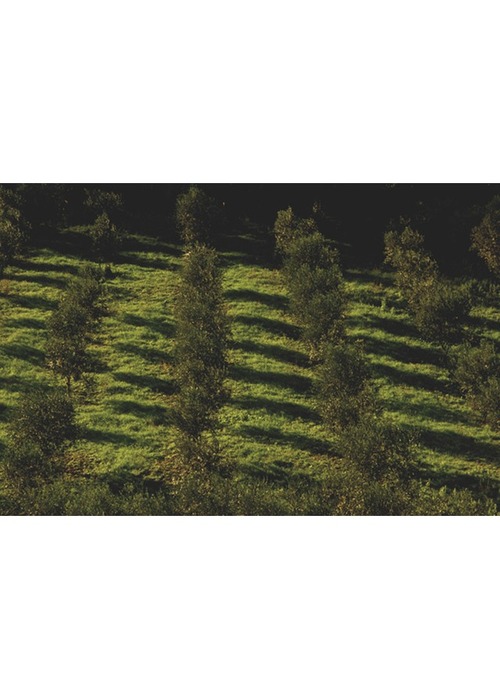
<point x="270" y="426"/>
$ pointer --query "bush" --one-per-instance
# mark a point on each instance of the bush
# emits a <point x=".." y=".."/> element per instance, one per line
<point x="343" y="387"/>
<point x="99" y="202"/>
<point x="202" y="336"/>
<point x="105" y="238"/>
<point x="42" y="427"/>
<point x="444" y="501"/>
<point x="288" y="228"/>
<point x="316" y="287"/>
<point x="13" y="229"/>
<point x="442" y="311"/>
<point x="197" y="216"/>
<point x="84" y="496"/>
<point x="415" y="269"/>
<point x="486" y="237"/>
<point x="72" y="324"/>
<point x="440" y="308"/>
<point x="477" y="373"/>
<point x="379" y="448"/>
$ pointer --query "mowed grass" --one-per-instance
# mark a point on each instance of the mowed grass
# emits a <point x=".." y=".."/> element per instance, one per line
<point x="270" y="427"/>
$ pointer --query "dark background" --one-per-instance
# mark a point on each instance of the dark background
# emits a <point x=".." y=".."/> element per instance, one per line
<point x="354" y="215"/>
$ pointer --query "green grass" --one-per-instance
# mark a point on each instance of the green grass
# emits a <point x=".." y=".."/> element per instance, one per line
<point x="269" y="427"/>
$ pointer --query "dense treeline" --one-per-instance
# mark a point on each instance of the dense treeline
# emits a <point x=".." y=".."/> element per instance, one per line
<point x="357" y="216"/>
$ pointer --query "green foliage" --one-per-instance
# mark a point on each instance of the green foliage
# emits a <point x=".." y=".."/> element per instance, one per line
<point x="99" y="202"/>
<point x="13" y="229"/>
<point x="343" y="386"/>
<point x="486" y="237"/>
<point x="477" y="373"/>
<point x="202" y="332"/>
<point x="440" y="308"/>
<point x="379" y="448"/>
<point x="42" y="427"/>
<point x="72" y="324"/>
<point x="106" y="239"/>
<point x="416" y="270"/>
<point x="316" y="287"/>
<point x="197" y="217"/>
<point x="84" y="496"/>
<point x="288" y="228"/>
<point x="444" y="501"/>
<point x="443" y="310"/>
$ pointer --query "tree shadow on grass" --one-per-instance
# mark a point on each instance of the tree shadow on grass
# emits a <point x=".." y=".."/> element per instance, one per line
<point x="275" y="352"/>
<point x="401" y="351"/>
<point x="157" y="264"/>
<point x="37" y="266"/>
<point x="482" y="486"/>
<point x="143" y="381"/>
<point x="23" y="352"/>
<point x="157" y="324"/>
<point x="270" y="325"/>
<point x="274" y="301"/>
<point x="96" y="435"/>
<point x="457" y="444"/>
<point x="277" y="436"/>
<point x="22" y="322"/>
<point x="32" y="302"/>
<point x="149" y="354"/>
<point x="411" y="377"/>
<point x="282" y="408"/>
<point x="154" y="412"/>
<point x="280" y="379"/>
<point x="43" y="280"/>
<point x="432" y="411"/>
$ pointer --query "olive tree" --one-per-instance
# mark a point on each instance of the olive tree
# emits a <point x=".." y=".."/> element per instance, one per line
<point x="201" y="354"/>
<point x="486" y="237"/>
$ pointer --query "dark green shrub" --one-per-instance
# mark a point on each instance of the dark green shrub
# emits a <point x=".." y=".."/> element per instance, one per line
<point x="13" y="229"/>
<point x="105" y="238"/>
<point x="379" y="448"/>
<point x="444" y="501"/>
<point x="486" y="237"/>
<point x="288" y="228"/>
<point x="197" y="216"/>
<point x="81" y="496"/>
<point x="477" y="373"/>
<point x="99" y="202"/>
<point x="416" y="270"/>
<point x="42" y="427"/>
<point x="72" y="324"/>
<point x="316" y="287"/>
<point x="201" y="348"/>
<point x="442" y="311"/>
<point x="440" y="308"/>
<point x="343" y="388"/>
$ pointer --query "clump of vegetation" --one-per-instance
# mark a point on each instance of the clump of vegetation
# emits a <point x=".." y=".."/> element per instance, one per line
<point x="441" y="309"/>
<point x="343" y="387"/>
<point x="201" y="353"/>
<point x="106" y="239"/>
<point x="13" y="229"/>
<point x="379" y="448"/>
<point x="316" y="287"/>
<point x="72" y="325"/>
<point x="477" y="373"/>
<point x="98" y="202"/>
<point x="486" y="237"/>
<point x="42" y="428"/>
<point x="288" y="228"/>
<point x="197" y="216"/>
